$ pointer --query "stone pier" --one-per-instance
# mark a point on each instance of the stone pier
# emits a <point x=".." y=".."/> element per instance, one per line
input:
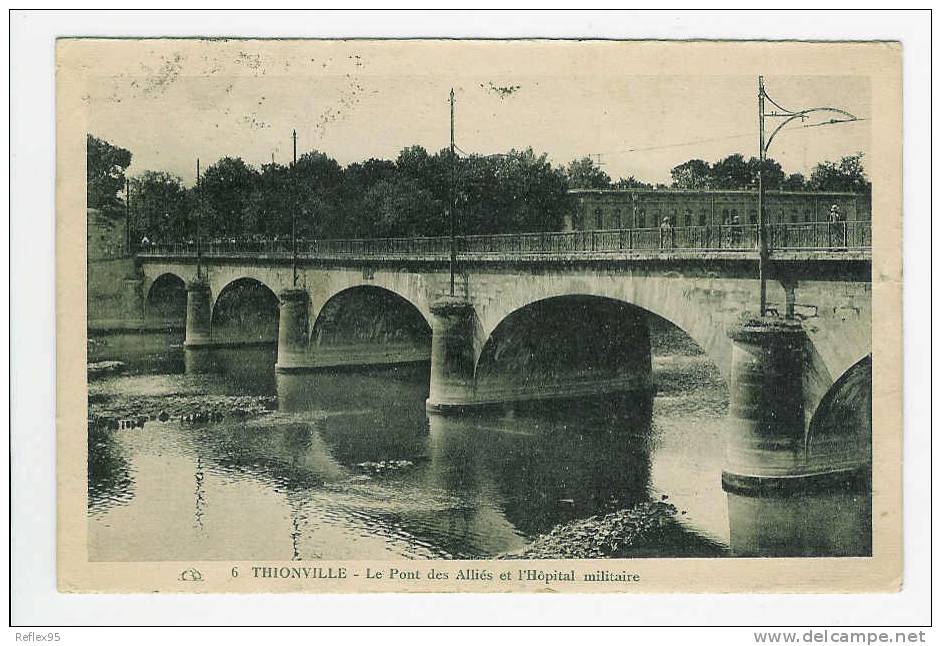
<point x="767" y="444"/>
<point x="452" y="355"/>
<point x="292" y="330"/>
<point x="198" y="314"/>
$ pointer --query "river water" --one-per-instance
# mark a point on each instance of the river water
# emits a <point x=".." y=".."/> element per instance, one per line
<point x="348" y="465"/>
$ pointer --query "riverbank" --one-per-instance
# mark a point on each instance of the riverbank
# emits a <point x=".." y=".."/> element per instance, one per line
<point x="111" y="410"/>
<point x="642" y="530"/>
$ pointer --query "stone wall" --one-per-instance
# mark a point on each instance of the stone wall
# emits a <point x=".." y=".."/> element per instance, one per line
<point x="113" y="288"/>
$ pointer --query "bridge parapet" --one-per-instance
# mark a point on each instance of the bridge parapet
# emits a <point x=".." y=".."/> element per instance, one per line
<point x="840" y="241"/>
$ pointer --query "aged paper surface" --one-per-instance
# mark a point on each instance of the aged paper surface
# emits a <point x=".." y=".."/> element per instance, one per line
<point x="185" y="474"/>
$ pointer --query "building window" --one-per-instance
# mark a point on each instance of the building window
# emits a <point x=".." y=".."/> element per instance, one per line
<point x="617" y="219"/>
<point x="642" y="219"/>
<point x="688" y="217"/>
<point x="597" y="218"/>
<point x="703" y="215"/>
<point x="753" y="216"/>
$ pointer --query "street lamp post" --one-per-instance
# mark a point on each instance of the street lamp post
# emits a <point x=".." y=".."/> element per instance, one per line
<point x="787" y="116"/>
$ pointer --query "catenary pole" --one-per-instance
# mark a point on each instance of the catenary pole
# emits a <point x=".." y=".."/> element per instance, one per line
<point x="451" y="200"/>
<point x="764" y="143"/>
<point x="762" y="239"/>
<point x="127" y="215"/>
<point x="294" y="211"/>
<point x="199" y="217"/>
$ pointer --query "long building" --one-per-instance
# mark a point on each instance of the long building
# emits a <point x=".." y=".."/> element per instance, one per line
<point x="645" y="208"/>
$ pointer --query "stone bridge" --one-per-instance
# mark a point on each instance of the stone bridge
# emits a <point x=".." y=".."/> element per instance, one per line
<point x="528" y="325"/>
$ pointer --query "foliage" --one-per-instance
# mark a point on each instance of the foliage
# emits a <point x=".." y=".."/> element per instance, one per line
<point x="847" y="174"/>
<point x="410" y="196"/>
<point x="160" y="207"/>
<point x="794" y="182"/>
<point x="223" y="196"/>
<point x="583" y="173"/>
<point x="626" y="183"/>
<point x="730" y="173"/>
<point x="695" y="174"/>
<point x="104" y="165"/>
<point x="736" y="173"/>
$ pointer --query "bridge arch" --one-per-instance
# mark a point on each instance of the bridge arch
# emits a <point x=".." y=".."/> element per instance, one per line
<point x="245" y="310"/>
<point x="369" y="324"/>
<point x="564" y="346"/>
<point x="165" y="301"/>
<point x="840" y="430"/>
<point x="684" y="307"/>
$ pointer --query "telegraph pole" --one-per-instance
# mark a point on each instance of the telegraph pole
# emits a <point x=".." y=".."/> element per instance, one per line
<point x="763" y="146"/>
<point x="199" y="208"/>
<point x="452" y="198"/>
<point x="127" y="215"/>
<point x="294" y="211"/>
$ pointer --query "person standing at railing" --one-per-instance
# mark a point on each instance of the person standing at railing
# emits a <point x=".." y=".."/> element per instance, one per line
<point x="737" y="232"/>
<point x="666" y="232"/>
<point x="836" y="229"/>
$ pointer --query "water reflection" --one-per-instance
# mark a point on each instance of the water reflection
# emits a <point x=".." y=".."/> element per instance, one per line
<point x="350" y="466"/>
<point x="548" y="465"/>
<point x="109" y="472"/>
<point x="829" y="523"/>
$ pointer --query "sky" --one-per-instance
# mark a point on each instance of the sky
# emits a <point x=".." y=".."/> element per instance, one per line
<point x="169" y="102"/>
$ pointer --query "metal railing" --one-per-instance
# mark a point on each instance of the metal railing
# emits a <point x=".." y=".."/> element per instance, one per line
<point x="836" y="237"/>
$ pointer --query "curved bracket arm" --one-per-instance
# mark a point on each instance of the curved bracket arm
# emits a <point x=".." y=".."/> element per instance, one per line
<point x="800" y="115"/>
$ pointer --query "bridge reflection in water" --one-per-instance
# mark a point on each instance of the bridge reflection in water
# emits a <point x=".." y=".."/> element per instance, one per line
<point x="302" y="483"/>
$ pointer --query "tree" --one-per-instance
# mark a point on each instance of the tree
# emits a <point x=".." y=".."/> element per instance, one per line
<point x="512" y="192"/>
<point x="772" y="178"/>
<point x="583" y="173"/>
<point x="846" y="175"/>
<point x="160" y="206"/>
<point x="535" y="194"/>
<point x="399" y="206"/>
<point x="731" y="173"/>
<point x="318" y="182"/>
<point x="794" y="182"/>
<point x="271" y="204"/>
<point x="624" y="184"/>
<point x="104" y="170"/>
<point x="224" y="196"/>
<point x="695" y="174"/>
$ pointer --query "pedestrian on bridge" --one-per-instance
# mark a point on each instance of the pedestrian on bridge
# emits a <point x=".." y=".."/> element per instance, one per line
<point x="666" y="232"/>
<point x="836" y="229"/>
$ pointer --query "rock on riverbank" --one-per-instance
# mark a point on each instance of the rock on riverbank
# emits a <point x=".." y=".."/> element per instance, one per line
<point x="119" y="411"/>
<point x="601" y="537"/>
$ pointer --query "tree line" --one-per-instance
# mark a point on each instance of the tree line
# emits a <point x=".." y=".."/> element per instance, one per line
<point x="518" y="191"/>
<point x="734" y="173"/>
